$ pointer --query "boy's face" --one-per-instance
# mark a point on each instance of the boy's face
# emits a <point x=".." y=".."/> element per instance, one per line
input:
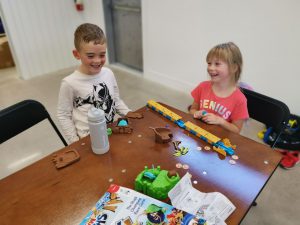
<point x="92" y="56"/>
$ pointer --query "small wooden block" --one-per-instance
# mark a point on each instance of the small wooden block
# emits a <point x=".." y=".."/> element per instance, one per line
<point x="162" y="134"/>
<point x="116" y="129"/>
<point x="135" y="115"/>
<point x="66" y="158"/>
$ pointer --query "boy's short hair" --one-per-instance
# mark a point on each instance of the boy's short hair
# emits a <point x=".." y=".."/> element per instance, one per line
<point x="88" y="32"/>
<point x="231" y="54"/>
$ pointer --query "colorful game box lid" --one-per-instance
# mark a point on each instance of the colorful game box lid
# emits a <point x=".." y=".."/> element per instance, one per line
<point x="124" y="206"/>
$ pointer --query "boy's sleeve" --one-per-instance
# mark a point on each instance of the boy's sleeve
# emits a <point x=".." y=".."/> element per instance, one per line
<point x="121" y="107"/>
<point x="64" y="112"/>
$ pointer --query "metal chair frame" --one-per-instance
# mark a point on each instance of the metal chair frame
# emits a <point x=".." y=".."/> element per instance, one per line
<point x="272" y="112"/>
<point x="21" y="116"/>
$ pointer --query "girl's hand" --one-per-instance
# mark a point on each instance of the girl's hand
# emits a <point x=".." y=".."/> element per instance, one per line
<point x="211" y="118"/>
<point x="199" y="114"/>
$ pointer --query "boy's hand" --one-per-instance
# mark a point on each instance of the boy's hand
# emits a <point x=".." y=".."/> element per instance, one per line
<point x="134" y="115"/>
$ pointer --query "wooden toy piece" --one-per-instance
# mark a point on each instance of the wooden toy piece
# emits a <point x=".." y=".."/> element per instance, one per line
<point x="122" y="126"/>
<point x="135" y="115"/>
<point x="65" y="158"/>
<point x="162" y="134"/>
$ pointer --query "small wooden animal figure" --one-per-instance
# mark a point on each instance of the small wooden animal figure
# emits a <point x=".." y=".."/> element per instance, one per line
<point x="65" y="158"/>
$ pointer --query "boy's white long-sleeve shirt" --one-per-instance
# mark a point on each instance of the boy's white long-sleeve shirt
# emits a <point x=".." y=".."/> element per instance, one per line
<point x="79" y="92"/>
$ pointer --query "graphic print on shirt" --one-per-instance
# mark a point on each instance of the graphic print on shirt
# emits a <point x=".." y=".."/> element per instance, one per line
<point x="216" y="107"/>
<point x="101" y="99"/>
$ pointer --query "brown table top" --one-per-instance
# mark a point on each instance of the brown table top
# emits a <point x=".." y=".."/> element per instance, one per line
<point x="41" y="194"/>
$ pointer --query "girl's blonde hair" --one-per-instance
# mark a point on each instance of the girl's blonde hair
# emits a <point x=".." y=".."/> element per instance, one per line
<point x="229" y="53"/>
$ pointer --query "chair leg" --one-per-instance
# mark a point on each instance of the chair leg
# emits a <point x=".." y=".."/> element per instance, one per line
<point x="276" y="139"/>
<point x="57" y="131"/>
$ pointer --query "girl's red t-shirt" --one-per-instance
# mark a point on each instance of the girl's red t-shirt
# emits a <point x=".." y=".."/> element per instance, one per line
<point x="231" y="108"/>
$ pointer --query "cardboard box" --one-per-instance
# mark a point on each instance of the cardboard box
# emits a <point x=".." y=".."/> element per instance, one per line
<point x="6" y="59"/>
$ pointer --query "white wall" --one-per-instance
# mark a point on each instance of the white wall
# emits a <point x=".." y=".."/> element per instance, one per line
<point x="176" y="38"/>
<point x="40" y="32"/>
<point x="178" y="34"/>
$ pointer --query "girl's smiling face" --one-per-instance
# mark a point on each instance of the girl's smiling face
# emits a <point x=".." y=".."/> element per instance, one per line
<point x="219" y="70"/>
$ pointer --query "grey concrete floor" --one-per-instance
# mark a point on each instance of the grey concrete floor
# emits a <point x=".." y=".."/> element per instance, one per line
<point x="277" y="204"/>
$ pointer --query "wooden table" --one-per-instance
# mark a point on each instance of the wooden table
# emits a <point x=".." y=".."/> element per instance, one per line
<point x="41" y="194"/>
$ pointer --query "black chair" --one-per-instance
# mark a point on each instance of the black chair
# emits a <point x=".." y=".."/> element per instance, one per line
<point x="273" y="113"/>
<point x="21" y="116"/>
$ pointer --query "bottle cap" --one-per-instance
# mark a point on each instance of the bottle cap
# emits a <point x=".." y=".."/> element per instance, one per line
<point x="95" y="114"/>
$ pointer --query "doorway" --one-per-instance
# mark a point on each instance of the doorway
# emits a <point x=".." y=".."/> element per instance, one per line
<point x="124" y="32"/>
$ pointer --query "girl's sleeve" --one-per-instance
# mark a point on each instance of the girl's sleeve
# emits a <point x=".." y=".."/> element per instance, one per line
<point x="121" y="107"/>
<point x="64" y="112"/>
<point x="241" y="110"/>
<point x="196" y="93"/>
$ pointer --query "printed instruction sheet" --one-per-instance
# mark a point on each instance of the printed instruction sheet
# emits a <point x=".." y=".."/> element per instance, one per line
<point x="213" y="207"/>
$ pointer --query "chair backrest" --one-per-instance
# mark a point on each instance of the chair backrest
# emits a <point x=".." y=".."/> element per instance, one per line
<point x="21" y="116"/>
<point x="273" y="113"/>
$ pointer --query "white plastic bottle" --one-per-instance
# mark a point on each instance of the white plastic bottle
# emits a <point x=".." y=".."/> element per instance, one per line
<point x="98" y="131"/>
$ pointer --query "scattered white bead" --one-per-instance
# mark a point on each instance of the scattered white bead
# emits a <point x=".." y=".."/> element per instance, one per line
<point x="232" y="162"/>
<point x="185" y="166"/>
<point x="235" y="157"/>
<point x="207" y="148"/>
<point x="199" y="148"/>
<point x="178" y="165"/>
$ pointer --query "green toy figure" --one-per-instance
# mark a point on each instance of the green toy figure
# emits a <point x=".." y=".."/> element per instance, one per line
<point x="155" y="182"/>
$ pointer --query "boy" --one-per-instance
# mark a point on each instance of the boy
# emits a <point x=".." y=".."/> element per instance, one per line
<point x="90" y="85"/>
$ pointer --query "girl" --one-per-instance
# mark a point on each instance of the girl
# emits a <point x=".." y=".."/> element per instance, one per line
<point x="220" y="101"/>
